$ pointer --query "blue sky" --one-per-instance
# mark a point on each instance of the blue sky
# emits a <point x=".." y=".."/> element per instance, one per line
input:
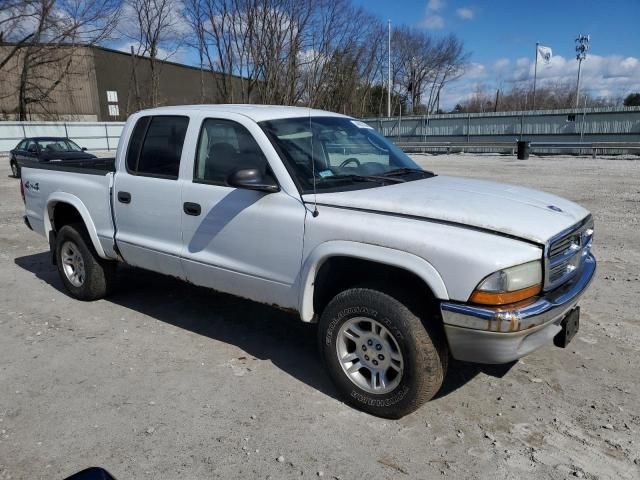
<point x="501" y="37"/>
<point x="500" y="28"/>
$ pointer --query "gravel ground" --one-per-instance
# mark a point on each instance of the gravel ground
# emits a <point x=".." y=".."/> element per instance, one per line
<point x="167" y="380"/>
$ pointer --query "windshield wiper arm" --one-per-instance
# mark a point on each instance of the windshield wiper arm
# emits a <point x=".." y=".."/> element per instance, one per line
<point x="365" y="178"/>
<point x="405" y="170"/>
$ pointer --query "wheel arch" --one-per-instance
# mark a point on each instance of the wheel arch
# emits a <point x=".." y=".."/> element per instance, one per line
<point x="403" y="263"/>
<point x="68" y="208"/>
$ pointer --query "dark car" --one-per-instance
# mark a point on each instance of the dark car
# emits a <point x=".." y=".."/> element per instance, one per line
<point x="45" y="149"/>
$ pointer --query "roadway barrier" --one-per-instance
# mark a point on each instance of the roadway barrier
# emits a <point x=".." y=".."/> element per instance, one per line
<point x="605" y="125"/>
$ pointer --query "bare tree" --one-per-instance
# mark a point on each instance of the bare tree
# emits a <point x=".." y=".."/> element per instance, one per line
<point x="549" y="96"/>
<point x="321" y="53"/>
<point x="451" y="64"/>
<point x="156" y="25"/>
<point x="423" y="65"/>
<point x="15" y="16"/>
<point x="345" y="57"/>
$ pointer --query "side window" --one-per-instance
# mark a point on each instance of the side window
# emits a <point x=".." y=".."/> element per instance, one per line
<point x="22" y="145"/>
<point x="160" y="152"/>
<point x="31" y="144"/>
<point x="135" y="142"/>
<point x="223" y="147"/>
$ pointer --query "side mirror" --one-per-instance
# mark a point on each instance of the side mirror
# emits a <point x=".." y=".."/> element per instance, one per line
<point x="252" y="179"/>
<point x="84" y="149"/>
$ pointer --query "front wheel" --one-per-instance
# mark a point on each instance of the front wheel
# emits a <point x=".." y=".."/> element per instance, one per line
<point x="379" y="354"/>
<point x="85" y="275"/>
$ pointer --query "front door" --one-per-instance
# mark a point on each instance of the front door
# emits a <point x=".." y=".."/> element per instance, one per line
<point x="147" y="203"/>
<point x="239" y="241"/>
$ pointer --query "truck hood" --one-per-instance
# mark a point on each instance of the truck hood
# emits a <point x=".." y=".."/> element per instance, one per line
<point x="507" y="209"/>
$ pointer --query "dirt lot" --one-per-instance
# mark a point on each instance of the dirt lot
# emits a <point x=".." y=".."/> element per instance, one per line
<point x="168" y="381"/>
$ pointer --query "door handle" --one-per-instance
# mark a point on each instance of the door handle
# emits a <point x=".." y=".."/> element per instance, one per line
<point x="124" y="197"/>
<point x="191" y="208"/>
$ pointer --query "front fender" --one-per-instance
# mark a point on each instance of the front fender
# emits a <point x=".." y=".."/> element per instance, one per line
<point x="340" y="248"/>
<point x="63" y="197"/>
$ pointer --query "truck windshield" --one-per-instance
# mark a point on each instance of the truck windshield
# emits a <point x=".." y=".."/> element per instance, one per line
<point x="339" y="153"/>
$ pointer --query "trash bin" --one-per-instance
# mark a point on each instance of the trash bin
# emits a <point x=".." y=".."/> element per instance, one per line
<point x="523" y="150"/>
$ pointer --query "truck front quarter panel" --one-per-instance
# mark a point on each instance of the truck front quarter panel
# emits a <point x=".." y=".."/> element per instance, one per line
<point x="450" y="259"/>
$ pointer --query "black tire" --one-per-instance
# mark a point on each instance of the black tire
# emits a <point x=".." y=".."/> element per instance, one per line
<point x="98" y="275"/>
<point x="15" y="169"/>
<point x="423" y="349"/>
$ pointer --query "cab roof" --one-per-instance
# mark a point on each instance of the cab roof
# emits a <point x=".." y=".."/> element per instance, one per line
<point x="257" y="113"/>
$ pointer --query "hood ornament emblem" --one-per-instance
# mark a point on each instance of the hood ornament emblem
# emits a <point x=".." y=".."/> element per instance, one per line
<point x="554" y="208"/>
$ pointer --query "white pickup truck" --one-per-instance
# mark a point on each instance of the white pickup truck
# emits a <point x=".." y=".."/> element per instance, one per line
<point x="317" y="213"/>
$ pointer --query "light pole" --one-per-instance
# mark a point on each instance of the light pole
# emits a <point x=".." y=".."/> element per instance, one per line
<point x="535" y="76"/>
<point x="582" y="45"/>
<point x="389" y="72"/>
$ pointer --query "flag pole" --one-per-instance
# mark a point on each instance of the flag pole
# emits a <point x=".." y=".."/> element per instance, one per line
<point x="389" y="72"/>
<point x="535" y="77"/>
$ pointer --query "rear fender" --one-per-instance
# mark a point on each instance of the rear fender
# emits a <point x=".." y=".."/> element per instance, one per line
<point x="63" y="197"/>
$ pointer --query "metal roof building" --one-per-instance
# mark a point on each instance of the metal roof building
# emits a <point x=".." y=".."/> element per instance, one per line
<point x="102" y="85"/>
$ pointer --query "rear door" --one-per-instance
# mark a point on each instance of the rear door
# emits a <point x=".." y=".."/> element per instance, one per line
<point x="147" y="195"/>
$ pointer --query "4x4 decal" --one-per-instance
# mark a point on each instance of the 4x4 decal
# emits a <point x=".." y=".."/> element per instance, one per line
<point x="32" y="186"/>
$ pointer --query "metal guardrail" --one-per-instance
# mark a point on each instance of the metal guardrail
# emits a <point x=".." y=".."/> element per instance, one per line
<point x="595" y="147"/>
<point x="535" y="147"/>
<point x="570" y="125"/>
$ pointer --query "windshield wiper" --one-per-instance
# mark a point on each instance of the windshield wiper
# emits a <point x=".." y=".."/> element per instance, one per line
<point x="405" y="170"/>
<point x="365" y="178"/>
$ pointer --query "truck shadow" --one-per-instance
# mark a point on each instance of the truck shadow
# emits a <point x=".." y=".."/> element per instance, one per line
<point x="263" y="332"/>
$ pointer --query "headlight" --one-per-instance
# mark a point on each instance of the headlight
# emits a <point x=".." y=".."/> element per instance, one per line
<point x="509" y="285"/>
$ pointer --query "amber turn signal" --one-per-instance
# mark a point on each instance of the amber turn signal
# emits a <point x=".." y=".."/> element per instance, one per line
<point x="503" y="298"/>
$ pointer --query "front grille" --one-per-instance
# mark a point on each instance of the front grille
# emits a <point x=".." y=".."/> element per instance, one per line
<point x="563" y="244"/>
<point x="565" y="253"/>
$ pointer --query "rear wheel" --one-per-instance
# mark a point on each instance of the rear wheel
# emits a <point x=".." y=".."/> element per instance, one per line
<point x="85" y="275"/>
<point x="381" y="356"/>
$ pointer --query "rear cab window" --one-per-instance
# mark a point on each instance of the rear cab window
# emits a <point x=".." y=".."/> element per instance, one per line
<point x="155" y="146"/>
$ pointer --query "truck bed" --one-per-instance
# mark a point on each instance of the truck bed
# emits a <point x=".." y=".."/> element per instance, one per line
<point x="83" y="184"/>
<point x="97" y="166"/>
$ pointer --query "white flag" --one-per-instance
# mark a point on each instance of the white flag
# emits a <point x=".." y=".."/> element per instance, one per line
<point x="544" y="54"/>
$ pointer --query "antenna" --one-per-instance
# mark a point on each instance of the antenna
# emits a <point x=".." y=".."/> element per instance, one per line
<point x="313" y="172"/>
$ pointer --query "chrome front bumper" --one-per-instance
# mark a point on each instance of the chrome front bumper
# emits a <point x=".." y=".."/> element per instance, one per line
<point x="494" y="335"/>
